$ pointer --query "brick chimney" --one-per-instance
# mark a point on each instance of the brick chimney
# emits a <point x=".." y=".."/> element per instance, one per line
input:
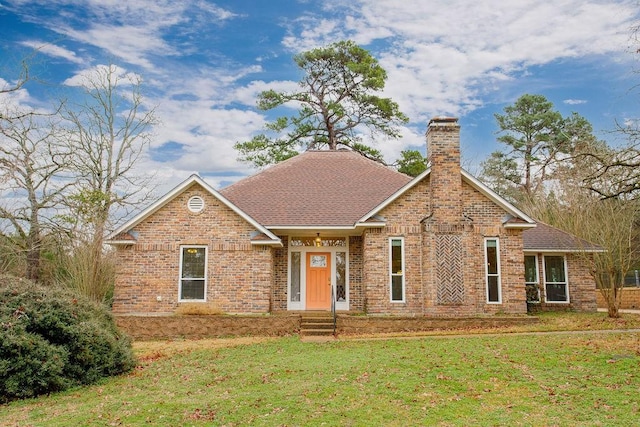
<point x="443" y="151"/>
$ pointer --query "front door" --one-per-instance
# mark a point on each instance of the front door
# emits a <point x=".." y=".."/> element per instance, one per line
<point x="318" y="280"/>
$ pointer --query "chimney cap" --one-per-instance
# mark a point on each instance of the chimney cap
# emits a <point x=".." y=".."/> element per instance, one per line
<point x="443" y="120"/>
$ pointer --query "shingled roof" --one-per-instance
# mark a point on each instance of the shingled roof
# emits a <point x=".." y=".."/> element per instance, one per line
<point x="546" y="238"/>
<point x="316" y="188"/>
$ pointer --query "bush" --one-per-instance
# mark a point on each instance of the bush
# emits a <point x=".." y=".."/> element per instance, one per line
<point x="52" y="339"/>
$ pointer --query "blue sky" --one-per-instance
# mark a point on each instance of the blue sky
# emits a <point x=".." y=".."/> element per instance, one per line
<point x="203" y="63"/>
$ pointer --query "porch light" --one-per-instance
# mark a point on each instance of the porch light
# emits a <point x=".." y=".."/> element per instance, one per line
<point x="318" y="240"/>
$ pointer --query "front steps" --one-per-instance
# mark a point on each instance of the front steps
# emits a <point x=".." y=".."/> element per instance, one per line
<point x="316" y="325"/>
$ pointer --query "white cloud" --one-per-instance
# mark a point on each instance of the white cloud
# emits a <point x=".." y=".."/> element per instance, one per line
<point x="53" y="50"/>
<point x="248" y="94"/>
<point x="207" y="134"/>
<point x="574" y="101"/>
<point x="119" y="74"/>
<point x="135" y="31"/>
<point x="440" y="57"/>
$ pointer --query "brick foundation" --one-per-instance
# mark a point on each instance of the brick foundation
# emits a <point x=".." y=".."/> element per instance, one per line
<point x="362" y="325"/>
<point x="144" y="328"/>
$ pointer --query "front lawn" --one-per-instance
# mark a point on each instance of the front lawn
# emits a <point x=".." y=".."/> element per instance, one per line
<point x="549" y="379"/>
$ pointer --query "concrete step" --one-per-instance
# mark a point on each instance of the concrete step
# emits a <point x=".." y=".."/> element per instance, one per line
<point x="306" y="326"/>
<point x="317" y="338"/>
<point x="320" y="314"/>
<point x="316" y="324"/>
<point x="317" y="332"/>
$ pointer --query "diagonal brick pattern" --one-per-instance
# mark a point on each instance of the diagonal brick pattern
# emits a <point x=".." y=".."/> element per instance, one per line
<point x="450" y="284"/>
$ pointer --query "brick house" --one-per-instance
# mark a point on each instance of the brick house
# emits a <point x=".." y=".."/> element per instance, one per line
<point x="334" y="226"/>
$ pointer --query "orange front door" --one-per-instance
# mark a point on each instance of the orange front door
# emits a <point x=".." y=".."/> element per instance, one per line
<point x="318" y="281"/>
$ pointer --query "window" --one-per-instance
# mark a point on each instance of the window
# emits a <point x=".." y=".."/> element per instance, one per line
<point x="531" y="278"/>
<point x="396" y="263"/>
<point x="492" y="259"/>
<point x="294" y="295"/>
<point x="341" y="276"/>
<point x="193" y="277"/>
<point x="555" y="279"/>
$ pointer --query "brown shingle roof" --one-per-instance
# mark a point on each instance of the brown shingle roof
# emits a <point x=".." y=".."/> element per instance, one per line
<point x="547" y="238"/>
<point x="316" y="188"/>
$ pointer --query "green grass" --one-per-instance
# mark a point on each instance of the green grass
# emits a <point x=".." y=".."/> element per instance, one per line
<point x="549" y="379"/>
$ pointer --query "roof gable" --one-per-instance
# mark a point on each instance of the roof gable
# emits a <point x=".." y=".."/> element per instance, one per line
<point x="120" y="236"/>
<point x="316" y="189"/>
<point x="518" y="220"/>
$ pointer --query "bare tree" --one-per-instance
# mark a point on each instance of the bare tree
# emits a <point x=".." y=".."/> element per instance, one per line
<point x="615" y="173"/>
<point x="32" y="162"/>
<point x="22" y="79"/>
<point x="610" y="223"/>
<point x="109" y="133"/>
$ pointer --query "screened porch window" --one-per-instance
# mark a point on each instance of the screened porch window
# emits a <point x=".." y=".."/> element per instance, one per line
<point x="555" y="279"/>
<point x="531" y="278"/>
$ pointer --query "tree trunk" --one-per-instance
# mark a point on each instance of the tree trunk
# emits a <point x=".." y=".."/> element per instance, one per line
<point x="610" y="285"/>
<point x="33" y="263"/>
<point x="33" y="253"/>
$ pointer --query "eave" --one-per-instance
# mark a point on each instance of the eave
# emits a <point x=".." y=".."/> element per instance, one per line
<point x="562" y="251"/>
<point x="120" y="242"/>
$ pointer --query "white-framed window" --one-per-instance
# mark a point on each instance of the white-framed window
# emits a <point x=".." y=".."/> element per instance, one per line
<point x="492" y="268"/>
<point x="295" y="277"/>
<point x="531" y="278"/>
<point x="556" y="285"/>
<point x="396" y="269"/>
<point x="341" y="276"/>
<point x="193" y="273"/>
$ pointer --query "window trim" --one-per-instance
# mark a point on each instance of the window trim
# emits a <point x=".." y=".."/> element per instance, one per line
<point x="537" y="280"/>
<point x="566" y="278"/>
<point x="180" y="278"/>
<point x="392" y="274"/>
<point x="301" y="290"/>
<point x="486" y="270"/>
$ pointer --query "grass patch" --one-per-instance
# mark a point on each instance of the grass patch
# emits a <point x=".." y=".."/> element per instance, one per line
<point x="551" y="379"/>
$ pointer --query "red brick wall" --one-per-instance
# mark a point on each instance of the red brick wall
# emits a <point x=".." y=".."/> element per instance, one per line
<point x="404" y="220"/>
<point x="630" y="299"/>
<point x="443" y="151"/>
<point x="356" y="290"/>
<point x="582" y="286"/>
<point x="239" y="275"/>
<point x="280" y="288"/>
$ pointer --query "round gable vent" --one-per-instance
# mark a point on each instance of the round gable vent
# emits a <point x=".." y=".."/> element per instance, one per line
<point x="195" y="204"/>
